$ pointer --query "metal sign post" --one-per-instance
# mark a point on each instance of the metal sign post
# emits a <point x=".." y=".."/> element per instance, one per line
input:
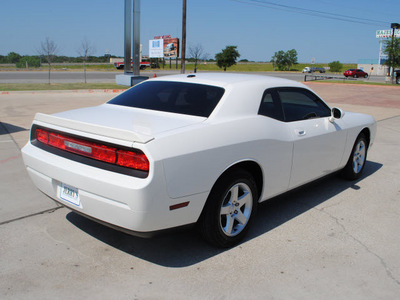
<point x="131" y="75"/>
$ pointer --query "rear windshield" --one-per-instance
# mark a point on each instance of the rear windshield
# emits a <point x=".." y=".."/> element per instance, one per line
<point x="175" y="97"/>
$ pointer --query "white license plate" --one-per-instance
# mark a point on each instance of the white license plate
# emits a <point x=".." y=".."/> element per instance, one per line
<point x="70" y="194"/>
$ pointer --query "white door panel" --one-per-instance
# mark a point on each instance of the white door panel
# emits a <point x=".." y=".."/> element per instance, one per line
<point x="318" y="149"/>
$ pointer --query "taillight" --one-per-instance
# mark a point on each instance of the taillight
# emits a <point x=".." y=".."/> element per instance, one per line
<point x="134" y="159"/>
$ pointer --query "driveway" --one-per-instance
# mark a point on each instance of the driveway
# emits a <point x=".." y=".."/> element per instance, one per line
<point x="332" y="239"/>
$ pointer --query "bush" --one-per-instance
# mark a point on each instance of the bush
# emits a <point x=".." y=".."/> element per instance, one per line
<point x="31" y="61"/>
<point x="335" y="66"/>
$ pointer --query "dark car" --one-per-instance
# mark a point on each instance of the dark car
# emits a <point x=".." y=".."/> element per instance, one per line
<point x="355" y="73"/>
<point x="397" y="75"/>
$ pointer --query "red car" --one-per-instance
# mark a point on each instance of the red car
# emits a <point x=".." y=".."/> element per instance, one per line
<point x="355" y="73"/>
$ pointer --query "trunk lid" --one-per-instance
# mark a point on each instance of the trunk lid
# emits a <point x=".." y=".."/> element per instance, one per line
<point x="121" y="122"/>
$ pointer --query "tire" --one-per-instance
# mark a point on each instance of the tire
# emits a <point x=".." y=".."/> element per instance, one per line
<point x="230" y="209"/>
<point x="358" y="157"/>
<point x="366" y="76"/>
<point x="398" y="79"/>
<point x="355" y="76"/>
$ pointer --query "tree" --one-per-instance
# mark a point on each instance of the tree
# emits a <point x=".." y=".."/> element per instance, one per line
<point x="392" y="50"/>
<point x="284" y="60"/>
<point x="28" y="61"/>
<point x="13" y="58"/>
<point x="84" y="52"/>
<point x="227" y="57"/>
<point x="48" y="48"/>
<point x="291" y="57"/>
<point x="335" y="66"/>
<point x="197" y="53"/>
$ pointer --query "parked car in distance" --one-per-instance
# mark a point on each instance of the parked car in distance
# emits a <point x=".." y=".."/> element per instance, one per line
<point x="199" y="150"/>
<point x="355" y="73"/>
<point x="313" y="69"/>
<point x="142" y="65"/>
<point x="397" y="76"/>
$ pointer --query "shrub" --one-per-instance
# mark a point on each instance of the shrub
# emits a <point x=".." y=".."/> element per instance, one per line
<point x="31" y="61"/>
<point x="335" y="66"/>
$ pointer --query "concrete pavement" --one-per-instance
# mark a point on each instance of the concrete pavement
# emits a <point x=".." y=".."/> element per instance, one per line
<point x="332" y="239"/>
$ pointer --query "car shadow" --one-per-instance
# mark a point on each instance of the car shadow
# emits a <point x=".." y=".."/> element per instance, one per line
<point x="6" y="128"/>
<point x="182" y="249"/>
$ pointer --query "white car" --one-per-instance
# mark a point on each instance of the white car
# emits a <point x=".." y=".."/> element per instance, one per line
<point x="199" y="149"/>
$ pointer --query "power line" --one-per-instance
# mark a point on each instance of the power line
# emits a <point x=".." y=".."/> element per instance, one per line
<point x="313" y="12"/>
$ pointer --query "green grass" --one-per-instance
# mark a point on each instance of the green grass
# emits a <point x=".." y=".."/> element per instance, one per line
<point x="241" y="67"/>
<point x="257" y="67"/>
<point x="59" y="86"/>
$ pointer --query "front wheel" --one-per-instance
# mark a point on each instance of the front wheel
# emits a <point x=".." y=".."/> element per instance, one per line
<point x="358" y="157"/>
<point x="229" y="209"/>
<point x="398" y="79"/>
<point x="355" y="76"/>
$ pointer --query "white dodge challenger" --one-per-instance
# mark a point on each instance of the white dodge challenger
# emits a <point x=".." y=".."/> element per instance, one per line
<point x="200" y="149"/>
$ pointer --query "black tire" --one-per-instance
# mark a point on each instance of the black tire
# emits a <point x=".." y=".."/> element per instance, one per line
<point x="366" y="76"/>
<point x="398" y="79"/>
<point x="355" y="75"/>
<point x="233" y="197"/>
<point x="358" y="157"/>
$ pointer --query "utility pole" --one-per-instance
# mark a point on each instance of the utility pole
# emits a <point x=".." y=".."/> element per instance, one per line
<point x="183" y="51"/>
<point x="393" y="26"/>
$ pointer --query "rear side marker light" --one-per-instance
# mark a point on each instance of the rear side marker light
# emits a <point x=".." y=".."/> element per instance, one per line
<point x="134" y="159"/>
<point x="179" y="205"/>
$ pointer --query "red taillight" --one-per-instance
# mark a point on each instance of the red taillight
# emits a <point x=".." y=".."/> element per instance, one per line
<point x="134" y="159"/>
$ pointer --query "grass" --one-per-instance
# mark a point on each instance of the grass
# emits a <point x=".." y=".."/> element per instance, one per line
<point x="254" y="67"/>
<point x="240" y="67"/>
<point x="59" y="86"/>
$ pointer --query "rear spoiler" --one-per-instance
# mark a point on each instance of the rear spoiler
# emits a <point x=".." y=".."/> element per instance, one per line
<point x="120" y="134"/>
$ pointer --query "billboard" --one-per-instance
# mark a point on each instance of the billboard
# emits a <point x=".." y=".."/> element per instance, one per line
<point x="170" y="45"/>
<point x="156" y="48"/>
<point x="387" y="33"/>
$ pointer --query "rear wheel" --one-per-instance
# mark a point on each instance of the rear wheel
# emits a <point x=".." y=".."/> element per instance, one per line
<point x="230" y="209"/>
<point x="398" y="79"/>
<point x="358" y="157"/>
<point x="366" y="76"/>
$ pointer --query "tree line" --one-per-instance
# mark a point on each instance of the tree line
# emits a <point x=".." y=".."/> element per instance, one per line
<point x="19" y="60"/>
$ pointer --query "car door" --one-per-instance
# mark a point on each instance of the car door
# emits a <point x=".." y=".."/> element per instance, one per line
<point x="318" y="143"/>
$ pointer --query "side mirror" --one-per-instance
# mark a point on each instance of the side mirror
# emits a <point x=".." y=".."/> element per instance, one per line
<point x="337" y="113"/>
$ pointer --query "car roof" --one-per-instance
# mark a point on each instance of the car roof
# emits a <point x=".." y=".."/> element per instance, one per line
<point x="226" y="79"/>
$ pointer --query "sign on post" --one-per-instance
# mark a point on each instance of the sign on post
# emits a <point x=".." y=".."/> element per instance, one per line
<point x="387" y="33"/>
<point x="156" y="48"/>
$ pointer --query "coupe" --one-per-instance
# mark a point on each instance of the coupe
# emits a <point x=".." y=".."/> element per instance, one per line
<point x="355" y="73"/>
<point x="199" y="149"/>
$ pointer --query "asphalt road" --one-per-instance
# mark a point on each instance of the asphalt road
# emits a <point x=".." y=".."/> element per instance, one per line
<point x="332" y="239"/>
<point x="109" y="76"/>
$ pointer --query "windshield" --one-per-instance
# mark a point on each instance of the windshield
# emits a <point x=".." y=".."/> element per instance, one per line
<point x="169" y="96"/>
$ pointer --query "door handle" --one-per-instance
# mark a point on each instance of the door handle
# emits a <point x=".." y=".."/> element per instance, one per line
<point x="301" y="132"/>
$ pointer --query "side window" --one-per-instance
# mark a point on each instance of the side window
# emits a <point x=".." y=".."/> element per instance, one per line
<point x="301" y="104"/>
<point x="270" y="106"/>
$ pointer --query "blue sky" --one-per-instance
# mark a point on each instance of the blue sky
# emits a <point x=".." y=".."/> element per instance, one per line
<point x="258" y="27"/>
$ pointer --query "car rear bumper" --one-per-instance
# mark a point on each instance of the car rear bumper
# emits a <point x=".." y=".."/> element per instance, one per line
<point x="137" y="205"/>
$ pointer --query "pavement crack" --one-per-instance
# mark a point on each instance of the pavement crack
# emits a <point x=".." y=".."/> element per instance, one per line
<point x="380" y="259"/>
<point x="51" y="210"/>
<point x="337" y="221"/>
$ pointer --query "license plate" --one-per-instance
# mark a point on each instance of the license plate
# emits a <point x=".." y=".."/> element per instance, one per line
<point x="70" y="194"/>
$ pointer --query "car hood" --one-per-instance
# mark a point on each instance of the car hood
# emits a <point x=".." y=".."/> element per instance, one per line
<point x="131" y="124"/>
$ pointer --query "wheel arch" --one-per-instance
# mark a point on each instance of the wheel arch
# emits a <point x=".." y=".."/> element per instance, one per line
<point x="253" y="168"/>
<point x="367" y="134"/>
